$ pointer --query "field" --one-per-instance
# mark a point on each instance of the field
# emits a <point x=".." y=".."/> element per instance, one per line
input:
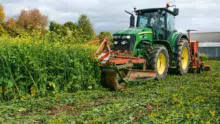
<point x="192" y="98"/>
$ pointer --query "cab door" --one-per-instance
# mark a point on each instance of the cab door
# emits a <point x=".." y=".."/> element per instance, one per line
<point x="170" y="25"/>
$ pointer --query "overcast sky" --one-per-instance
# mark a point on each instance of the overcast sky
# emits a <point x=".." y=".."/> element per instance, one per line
<point x="109" y="15"/>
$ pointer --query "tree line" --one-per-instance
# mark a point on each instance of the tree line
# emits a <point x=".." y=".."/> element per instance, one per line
<point x="32" y="19"/>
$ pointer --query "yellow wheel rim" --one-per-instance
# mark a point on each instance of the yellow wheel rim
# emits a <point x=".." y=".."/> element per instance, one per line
<point x="161" y="63"/>
<point x="185" y="58"/>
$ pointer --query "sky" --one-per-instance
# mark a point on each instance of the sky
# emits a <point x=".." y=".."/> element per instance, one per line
<point x="109" y="15"/>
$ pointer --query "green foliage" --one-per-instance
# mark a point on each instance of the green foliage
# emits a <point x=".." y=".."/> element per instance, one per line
<point x="191" y="98"/>
<point x="35" y="65"/>
<point x="104" y="35"/>
<point x="203" y="56"/>
<point x="2" y="30"/>
<point x="74" y="32"/>
<point x="57" y="28"/>
<point x="2" y="14"/>
<point x="70" y="25"/>
<point x="85" y="25"/>
<point x="69" y="31"/>
<point x="11" y="31"/>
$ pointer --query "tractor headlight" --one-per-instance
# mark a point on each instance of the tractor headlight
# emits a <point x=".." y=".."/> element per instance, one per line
<point x="116" y="37"/>
<point x="126" y="37"/>
<point x="124" y="42"/>
<point x="115" y="42"/>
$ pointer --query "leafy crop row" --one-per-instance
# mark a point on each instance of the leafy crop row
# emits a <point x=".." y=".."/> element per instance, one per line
<point x="190" y="99"/>
<point x="34" y="65"/>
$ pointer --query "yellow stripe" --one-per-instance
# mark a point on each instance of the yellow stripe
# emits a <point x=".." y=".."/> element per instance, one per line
<point x="146" y="32"/>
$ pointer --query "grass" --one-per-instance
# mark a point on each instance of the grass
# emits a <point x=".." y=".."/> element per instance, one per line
<point x="192" y="98"/>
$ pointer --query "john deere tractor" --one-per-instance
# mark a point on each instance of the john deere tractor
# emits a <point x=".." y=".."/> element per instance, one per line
<point x="146" y="50"/>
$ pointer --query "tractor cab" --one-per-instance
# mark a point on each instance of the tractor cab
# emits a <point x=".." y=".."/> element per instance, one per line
<point x="160" y="20"/>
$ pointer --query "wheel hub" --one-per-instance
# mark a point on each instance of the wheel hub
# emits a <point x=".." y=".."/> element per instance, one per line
<point x="161" y="63"/>
<point x="185" y="58"/>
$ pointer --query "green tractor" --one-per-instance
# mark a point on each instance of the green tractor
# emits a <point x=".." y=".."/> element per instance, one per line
<point x="146" y="50"/>
<point x="156" y="39"/>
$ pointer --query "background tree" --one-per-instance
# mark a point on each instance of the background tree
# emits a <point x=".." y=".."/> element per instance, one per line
<point x="2" y="14"/>
<point x="85" y="25"/>
<point x="2" y="30"/>
<point x="70" y="25"/>
<point x="104" y="35"/>
<point x="2" y="18"/>
<point x="11" y="27"/>
<point x="11" y="23"/>
<point x="57" y="28"/>
<point x="31" y="19"/>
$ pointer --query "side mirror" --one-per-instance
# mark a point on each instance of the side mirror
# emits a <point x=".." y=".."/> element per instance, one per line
<point x="176" y="11"/>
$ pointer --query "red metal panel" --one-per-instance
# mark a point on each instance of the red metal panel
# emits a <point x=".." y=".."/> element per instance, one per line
<point x="194" y="46"/>
<point x="123" y="60"/>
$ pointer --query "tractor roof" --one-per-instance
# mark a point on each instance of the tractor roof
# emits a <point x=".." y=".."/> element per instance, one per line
<point x="155" y="9"/>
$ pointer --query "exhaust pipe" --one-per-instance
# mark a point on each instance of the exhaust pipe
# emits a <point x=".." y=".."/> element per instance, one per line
<point x="132" y="19"/>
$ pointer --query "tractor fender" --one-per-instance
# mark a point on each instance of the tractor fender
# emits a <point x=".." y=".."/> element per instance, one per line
<point x="177" y="42"/>
<point x="168" y="47"/>
<point x="175" y="54"/>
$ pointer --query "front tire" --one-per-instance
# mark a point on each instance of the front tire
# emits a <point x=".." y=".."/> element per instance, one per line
<point x="183" y="60"/>
<point x="159" y="61"/>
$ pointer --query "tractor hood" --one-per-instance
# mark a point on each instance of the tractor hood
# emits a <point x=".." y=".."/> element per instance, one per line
<point x="134" y="31"/>
<point x="137" y="35"/>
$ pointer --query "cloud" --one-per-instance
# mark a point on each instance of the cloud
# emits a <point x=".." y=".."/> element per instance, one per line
<point x="109" y="15"/>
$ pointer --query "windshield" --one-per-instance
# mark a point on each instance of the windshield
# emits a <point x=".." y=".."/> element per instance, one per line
<point x="154" y="20"/>
<point x="151" y="20"/>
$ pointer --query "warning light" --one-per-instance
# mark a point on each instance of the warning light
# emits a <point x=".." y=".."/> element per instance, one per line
<point x="135" y="8"/>
<point x="168" y="4"/>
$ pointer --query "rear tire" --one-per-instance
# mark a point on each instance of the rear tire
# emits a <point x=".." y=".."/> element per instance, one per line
<point x="183" y="60"/>
<point x="159" y="61"/>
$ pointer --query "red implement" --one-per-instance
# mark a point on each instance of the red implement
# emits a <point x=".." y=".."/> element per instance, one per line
<point x="117" y="67"/>
<point x="196" y="62"/>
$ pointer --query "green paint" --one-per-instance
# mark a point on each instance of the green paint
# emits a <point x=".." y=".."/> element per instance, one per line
<point x="144" y="34"/>
<point x="141" y="34"/>
<point x="173" y="38"/>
